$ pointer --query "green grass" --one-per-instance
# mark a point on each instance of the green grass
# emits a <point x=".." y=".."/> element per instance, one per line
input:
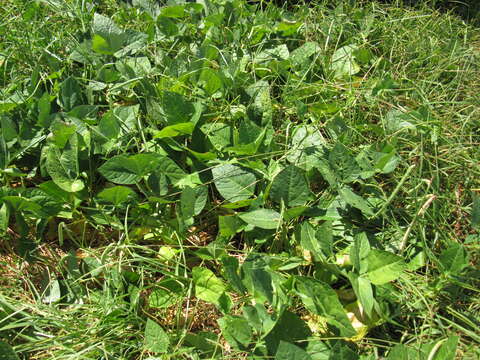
<point x="229" y="181"/>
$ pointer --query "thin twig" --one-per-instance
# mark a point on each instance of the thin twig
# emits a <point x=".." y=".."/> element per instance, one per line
<point x="420" y="212"/>
<point x="394" y="193"/>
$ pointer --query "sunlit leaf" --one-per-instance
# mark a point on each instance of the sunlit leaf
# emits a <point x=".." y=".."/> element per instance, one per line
<point x="291" y="187"/>
<point x="234" y="182"/>
<point x="156" y="339"/>
<point x="262" y="218"/>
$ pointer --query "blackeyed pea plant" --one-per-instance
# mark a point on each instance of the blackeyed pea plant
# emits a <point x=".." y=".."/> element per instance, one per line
<point x="229" y="179"/>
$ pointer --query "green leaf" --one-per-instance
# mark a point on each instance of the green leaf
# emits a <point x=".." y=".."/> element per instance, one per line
<point x="418" y="261"/>
<point x="174" y="11"/>
<point x="291" y="187"/>
<point x="109" y="126"/>
<point x="397" y="120"/>
<point x="204" y="156"/>
<point x="421" y="351"/>
<point x="176" y="108"/>
<point x="219" y="134"/>
<point x="321" y="299"/>
<point x="203" y="341"/>
<point x="128" y="169"/>
<point x="257" y="278"/>
<point x="210" y="81"/>
<point x="294" y="212"/>
<point x="70" y="94"/>
<point x="83" y="112"/>
<point x="319" y="350"/>
<point x="262" y="218"/>
<point x="364" y="292"/>
<point x="262" y="102"/>
<point x="288" y="28"/>
<point x="180" y="129"/>
<point x="341" y="351"/>
<point x="62" y="132"/>
<point x="290" y="328"/>
<point x="54" y="191"/>
<point x="324" y="235"/>
<point x="175" y="174"/>
<point x="127" y="116"/>
<point x="208" y="287"/>
<point x="167" y="26"/>
<point x="193" y="200"/>
<point x="343" y="164"/>
<point x="363" y="56"/>
<point x="279" y="52"/>
<point x="402" y="352"/>
<point x="381" y="267"/>
<point x="117" y="195"/>
<point x="169" y="292"/>
<point x="306" y="235"/>
<point x="7" y="352"/>
<point x="134" y="67"/>
<point x="48" y="205"/>
<point x="325" y="108"/>
<point x="476" y="211"/>
<point x="359" y="250"/>
<point x="287" y="351"/>
<point x="301" y="55"/>
<point x="83" y="54"/>
<point x="325" y="170"/>
<point x="231" y="273"/>
<point x="317" y="241"/>
<point x="234" y="182"/>
<point x="259" y="318"/>
<point x="454" y="259"/>
<point x="356" y="201"/>
<point x="151" y="7"/>
<point x="343" y="62"/>
<point x="4" y="218"/>
<point x="52" y="293"/>
<point x="20" y="204"/>
<point x="63" y="167"/>
<point x="448" y="350"/>
<point x="239" y="204"/>
<point x="11" y="102"/>
<point x="108" y="37"/>
<point x="8" y="128"/>
<point x="26" y="245"/>
<point x="4" y="154"/>
<point x="229" y="225"/>
<point x="156" y="339"/>
<point x="248" y="149"/>
<point x="236" y="331"/>
<point x="248" y="132"/>
<point x="386" y="160"/>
